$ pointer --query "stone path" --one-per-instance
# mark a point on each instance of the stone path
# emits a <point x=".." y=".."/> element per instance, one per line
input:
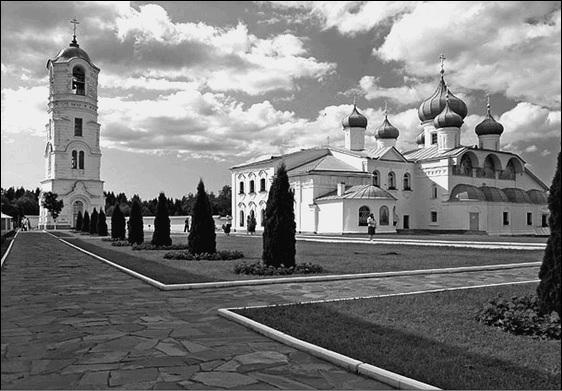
<point x="72" y="322"/>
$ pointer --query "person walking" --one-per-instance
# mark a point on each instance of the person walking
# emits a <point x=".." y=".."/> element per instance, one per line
<point x="186" y="226"/>
<point x="371" y="226"/>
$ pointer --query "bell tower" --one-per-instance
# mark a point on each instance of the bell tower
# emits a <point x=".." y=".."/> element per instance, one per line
<point x="72" y="151"/>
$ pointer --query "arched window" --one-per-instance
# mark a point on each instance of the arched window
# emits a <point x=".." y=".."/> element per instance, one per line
<point x="78" y="81"/>
<point x="391" y="180"/>
<point x="364" y="213"/>
<point x="490" y="167"/>
<point x="81" y="160"/>
<point x="262" y="184"/>
<point x="262" y="217"/>
<point x="383" y="215"/>
<point x="241" y="222"/>
<point x="74" y="163"/>
<point x="78" y="207"/>
<point x="407" y="182"/>
<point x="241" y="187"/>
<point x="465" y="166"/>
<point x="376" y="178"/>
<point x="252" y="187"/>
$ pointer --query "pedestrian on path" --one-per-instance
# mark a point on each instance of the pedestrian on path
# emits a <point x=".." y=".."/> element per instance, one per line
<point x="371" y="226"/>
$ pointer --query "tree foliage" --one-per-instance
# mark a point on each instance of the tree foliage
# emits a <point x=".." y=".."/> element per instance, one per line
<point x="549" y="289"/>
<point x="202" y="237"/>
<point x="78" y="224"/>
<point x="136" y="230"/>
<point x="117" y="223"/>
<point x="52" y="204"/>
<point x="18" y="202"/>
<point x="94" y="222"/>
<point x="161" y="235"/>
<point x="279" y="243"/>
<point x="86" y="222"/>
<point x="102" y="224"/>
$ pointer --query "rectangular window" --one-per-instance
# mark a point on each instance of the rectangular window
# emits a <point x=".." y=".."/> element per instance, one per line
<point x="505" y="218"/>
<point x="433" y="217"/>
<point x="434" y="138"/>
<point x="529" y="218"/>
<point x="78" y="127"/>
<point x="544" y="220"/>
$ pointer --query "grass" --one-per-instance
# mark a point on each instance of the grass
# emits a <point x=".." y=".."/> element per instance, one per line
<point x="431" y="337"/>
<point x="335" y="258"/>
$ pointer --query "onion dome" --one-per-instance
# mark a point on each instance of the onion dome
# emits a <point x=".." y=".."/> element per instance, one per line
<point x="432" y="106"/>
<point x="73" y="50"/>
<point x="448" y="117"/>
<point x="355" y="119"/>
<point x="386" y="130"/>
<point x="421" y="138"/>
<point x="489" y="125"/>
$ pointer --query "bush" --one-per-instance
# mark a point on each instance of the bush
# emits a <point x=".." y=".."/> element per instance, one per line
<point x="78" y="224"/>
<point x="217" y="256"/>
<point x="86" y="222"/>
<point x="94" y="222"/>
<point x="202" y="237"/>
<point x="261" y="269"/>
<point x="110" y="239"/>
<point x="150" y="246"/>
<point x="136" y="229"/>
<point x="161" y="235"/>
<point x="121" y="243"/>
<point x="520" y="315"/>
<point x="102" y="224"/>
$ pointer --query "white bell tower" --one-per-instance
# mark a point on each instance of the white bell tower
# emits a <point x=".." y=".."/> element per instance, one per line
<point x="72" y="151"/>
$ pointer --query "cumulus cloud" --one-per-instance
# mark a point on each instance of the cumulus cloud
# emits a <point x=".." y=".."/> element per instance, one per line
<point x="24" y="110"/>
<point x="404" y="95"/>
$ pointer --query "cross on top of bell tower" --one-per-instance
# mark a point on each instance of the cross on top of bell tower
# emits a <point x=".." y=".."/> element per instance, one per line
<point x="74" y="42"/>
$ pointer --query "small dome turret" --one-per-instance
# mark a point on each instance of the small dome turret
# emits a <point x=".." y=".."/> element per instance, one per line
<point x="355" y="119"/>
<point x="489" y="125"/>
<point x="386" y="130"/>
<point x="448" y="117"/>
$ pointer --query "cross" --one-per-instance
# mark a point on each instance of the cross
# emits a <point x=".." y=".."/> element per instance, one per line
<point x="354" y="96"/>
<point x="74" y="22"/>
<point x="488" y="105"/>
<point x="385" y="108"/>
<point x="442" y="58"/>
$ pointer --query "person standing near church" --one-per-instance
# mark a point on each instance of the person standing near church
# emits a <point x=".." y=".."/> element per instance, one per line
<point x="371" y="226"/>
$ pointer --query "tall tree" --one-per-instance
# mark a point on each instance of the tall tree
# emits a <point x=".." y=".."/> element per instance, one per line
<point x="102" y="224"/>
<point x="117" y="223"/>
<point x="161" y="235"/>
<point x="52" y="204"/>
<point x="86" y="222"/>
<point x="549" y="289"/>
<point x="78" y="224"/>
<point x="136" y="229"/>
<point x="202" y="237"/>
<point x="279" y="241"/>
<point x="94" y="222"/>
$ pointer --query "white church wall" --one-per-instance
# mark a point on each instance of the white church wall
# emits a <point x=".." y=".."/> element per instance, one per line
<point x="330" y="217"/>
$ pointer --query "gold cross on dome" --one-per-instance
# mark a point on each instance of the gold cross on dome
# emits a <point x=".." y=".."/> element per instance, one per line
<point x="442" y="58"/>
<point x="74" y="22"/>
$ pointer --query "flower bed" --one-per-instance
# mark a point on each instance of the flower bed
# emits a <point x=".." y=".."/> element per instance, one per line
<point x="218" y="256"/>
<point x="121" y="243"/>
<point x="260" y="269"/>
<point x="150" y="246"/>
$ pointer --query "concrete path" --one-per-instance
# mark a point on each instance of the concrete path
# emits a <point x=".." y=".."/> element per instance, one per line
<point x="72" y="322"/>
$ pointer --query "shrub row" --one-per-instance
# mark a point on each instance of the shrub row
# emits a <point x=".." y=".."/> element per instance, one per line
<point x="520" y="315"/>
<point x="260" y="269"/>
<point x="108" y="239"/>
<point x="218" y="256"/>
<point x="150" y="246"/>
<point x="121" y="243"/>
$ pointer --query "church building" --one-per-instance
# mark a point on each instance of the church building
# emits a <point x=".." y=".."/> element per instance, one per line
<point x="72" y="151"/>
<point x="442" y="186"/>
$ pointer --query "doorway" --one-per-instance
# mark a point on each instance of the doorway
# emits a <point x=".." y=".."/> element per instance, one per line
<point x="474" y="221"/>
<point x="406" y="222"/>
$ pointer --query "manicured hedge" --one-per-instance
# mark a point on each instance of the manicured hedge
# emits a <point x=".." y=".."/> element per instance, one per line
<point x="260" y="269"/>
<point x="217" y="256"/>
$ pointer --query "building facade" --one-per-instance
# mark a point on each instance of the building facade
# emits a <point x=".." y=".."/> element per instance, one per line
<point x="72" y="151"/>
<point x="441" y="186"/>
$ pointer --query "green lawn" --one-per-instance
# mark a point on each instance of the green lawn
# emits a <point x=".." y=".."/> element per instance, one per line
<point x="335" y="258"/>
<point x="431" y="337"/>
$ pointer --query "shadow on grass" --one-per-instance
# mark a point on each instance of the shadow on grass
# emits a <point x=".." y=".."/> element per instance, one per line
<point x="162" y="273"/>
<point x="411" y="355"/>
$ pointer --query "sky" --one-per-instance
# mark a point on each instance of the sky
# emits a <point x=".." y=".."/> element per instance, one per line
<point x="189" y="89"/>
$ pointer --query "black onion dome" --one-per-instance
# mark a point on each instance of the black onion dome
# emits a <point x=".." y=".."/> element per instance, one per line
<point x="72" y="51"/>
<point x="488" y="126"/>
<point x="421" y="138"/>
<point x="387" y="130"/>
<point x="447" y="118"/>
<point x="355" y="120"/>
<point x="434" y="105"/>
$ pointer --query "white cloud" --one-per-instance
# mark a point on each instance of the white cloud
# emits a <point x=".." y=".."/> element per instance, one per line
<point x="24" y="110"/>
<point x="404" y="95"/>
<point x="527" y="122"/>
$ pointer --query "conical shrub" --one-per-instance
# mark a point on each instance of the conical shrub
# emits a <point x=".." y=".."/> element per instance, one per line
<point x="202" y="237"/>
<point x="161" y="235"/>
<point x="279" y="243"/>
<point x="94" y="222"/>
<point x="78" y="224"/>
<point x="117" y="223"/>
<point x="86" y="222"/>
<point x="102" y="224"/>
<point x="136" y="229"/>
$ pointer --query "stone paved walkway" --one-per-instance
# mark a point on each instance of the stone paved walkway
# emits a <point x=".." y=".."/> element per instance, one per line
<point x="72" y="322"/>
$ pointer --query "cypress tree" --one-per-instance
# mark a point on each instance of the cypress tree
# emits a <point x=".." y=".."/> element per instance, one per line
<point x="549" y="287"/>
<point x="161" y="235"/>
<point x="86" y="222"/>
<point x="279" y="228"/>
<point x="102" y="225"/>
<point x="136" y="231"/>
<point x="202" y="237"/>
<point x="117" y="223"/>
<point x="78" y="224"/>
<point x="94" y="222"/>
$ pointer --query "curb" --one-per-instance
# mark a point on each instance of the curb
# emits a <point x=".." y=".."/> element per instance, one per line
<point x="288" y="280"/>
<point x="8" y="249"/>
<point x="350" y="364"/>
